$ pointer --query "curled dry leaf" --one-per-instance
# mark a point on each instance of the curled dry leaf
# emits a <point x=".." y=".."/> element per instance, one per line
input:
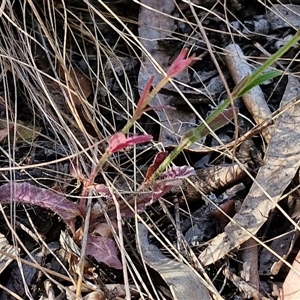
<point x="229" y="208"/>
<point x="30" y="194"/>
<point x="211" y="180"/>
<point x="77" y="87"/>
<point x="78" y="78"/>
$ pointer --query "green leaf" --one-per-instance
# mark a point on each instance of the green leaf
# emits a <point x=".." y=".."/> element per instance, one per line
<point x="239" y="86"/>
<point x="259" y="80"/>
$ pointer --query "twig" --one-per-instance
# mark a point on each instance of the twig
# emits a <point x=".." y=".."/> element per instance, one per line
<point x="254" y="99"/>
<point x="243" y="286"/>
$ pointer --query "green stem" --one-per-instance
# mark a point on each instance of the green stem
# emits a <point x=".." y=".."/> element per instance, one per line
<point x="273" y="58"/>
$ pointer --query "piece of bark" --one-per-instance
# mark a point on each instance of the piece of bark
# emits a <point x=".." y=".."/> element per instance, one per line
<point x="210" y="180"/>
<point x="250" y="263"/>
<point x="282" y="161"/>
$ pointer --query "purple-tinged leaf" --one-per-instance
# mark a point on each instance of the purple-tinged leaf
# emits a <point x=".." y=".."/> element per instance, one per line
<point x="158" y="159"/>
<point x="103" y="191"/>
<point x="118" y="141"/>
<point x="141" y="105"/>
<point x="174" y="175"/>
<point x="168" y="179"/>
<point x="30" y="194"/>
<point x="104" y="250"/>
<point x="180" y="63"/>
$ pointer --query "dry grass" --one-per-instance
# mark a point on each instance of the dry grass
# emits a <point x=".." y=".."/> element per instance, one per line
<point x="37" y="40"/>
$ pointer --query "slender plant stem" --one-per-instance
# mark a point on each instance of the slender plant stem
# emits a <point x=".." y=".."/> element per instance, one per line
<point x="151" y="95"/>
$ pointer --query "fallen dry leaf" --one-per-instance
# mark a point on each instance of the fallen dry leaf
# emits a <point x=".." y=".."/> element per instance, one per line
<point x="77" y="81"/>
<point x="290" y="289"/>
<point x="243" y="286"/>
<point x="283" y="16"/>
<point x="211" y="180"/>
<point x="24" y="132"/>
<point x="228" y="208"/>
<point x="183" y="282"/>
<point x="77" y="86"/>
